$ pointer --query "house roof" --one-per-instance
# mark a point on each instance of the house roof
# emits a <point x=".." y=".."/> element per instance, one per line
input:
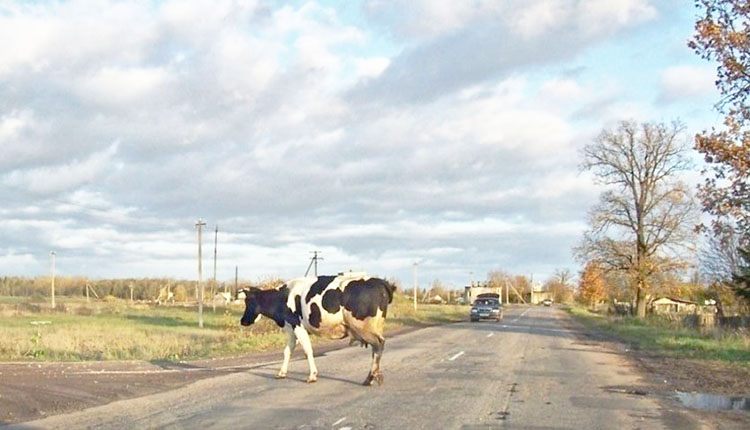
<point x="687" y="302"/>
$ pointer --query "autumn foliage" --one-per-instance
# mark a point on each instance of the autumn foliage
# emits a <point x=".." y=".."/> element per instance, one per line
<point x="722" y="34"/>
<point x="591" y="286"/>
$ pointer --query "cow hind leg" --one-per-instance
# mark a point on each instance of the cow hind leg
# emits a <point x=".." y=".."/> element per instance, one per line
<point x="304" y="340"/>
<point x="375" y="374"/>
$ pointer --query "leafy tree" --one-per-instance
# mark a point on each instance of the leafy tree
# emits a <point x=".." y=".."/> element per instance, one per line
<point x="591" y="286"/>
<point x="643" y="222"/>
<point x="722" y="34"/>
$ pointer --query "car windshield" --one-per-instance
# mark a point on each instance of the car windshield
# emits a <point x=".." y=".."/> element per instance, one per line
<point x="486" y="302"/>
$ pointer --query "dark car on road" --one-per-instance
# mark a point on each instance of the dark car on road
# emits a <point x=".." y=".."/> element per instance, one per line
<point x="486" y="306"/>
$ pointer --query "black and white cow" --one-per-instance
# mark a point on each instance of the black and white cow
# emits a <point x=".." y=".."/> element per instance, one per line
<point x="350" y="304"/>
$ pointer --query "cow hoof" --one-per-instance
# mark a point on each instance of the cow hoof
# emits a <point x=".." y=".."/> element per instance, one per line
<point x="373" y="378"/>
<point x="280" y="376"/>
<point x="311" y="380"/>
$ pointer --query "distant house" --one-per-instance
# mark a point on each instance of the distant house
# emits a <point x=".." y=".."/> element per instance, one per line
<point x="539" y="294"/>
<point x="670" y="305"/>
<point x="436" y="299"/>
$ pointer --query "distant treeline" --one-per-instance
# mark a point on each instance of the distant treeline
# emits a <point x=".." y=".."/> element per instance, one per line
<point x="143" y="289"/>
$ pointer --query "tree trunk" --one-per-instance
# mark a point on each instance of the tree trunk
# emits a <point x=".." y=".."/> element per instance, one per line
<point x="640" y="303"/>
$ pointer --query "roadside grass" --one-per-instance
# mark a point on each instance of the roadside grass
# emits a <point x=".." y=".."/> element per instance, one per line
<point x="401" y="313"/>
<point x="670" y="339"/>
<point x="118" y="330"/>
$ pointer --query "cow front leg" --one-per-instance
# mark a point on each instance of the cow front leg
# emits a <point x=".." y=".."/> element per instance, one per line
<point x="375" y="375"/>
<point x="291" y="342"/>
<point x="304" y="340"/>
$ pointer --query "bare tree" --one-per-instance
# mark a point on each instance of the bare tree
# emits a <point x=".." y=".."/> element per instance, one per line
<point x="644" y="221"/>
<point x="563" y="276"/>
<point x="720" y="257"/>
<point x="560" y="286"/>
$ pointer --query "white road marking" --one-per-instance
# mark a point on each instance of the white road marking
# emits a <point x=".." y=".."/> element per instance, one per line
<point x="491" y="334"/>
<point x="518" y="317"/>
<point x="456" y="356"/>
<point x="339" y="421"/>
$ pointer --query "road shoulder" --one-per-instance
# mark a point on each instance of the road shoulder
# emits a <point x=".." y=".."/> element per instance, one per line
<point x="663" y="377"/>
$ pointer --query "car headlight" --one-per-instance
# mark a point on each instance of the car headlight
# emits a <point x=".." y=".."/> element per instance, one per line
<point x="494" y="311"/>
<point x="473" y="310"/>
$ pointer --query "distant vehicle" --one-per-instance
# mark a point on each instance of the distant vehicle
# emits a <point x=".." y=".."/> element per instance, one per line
<point x="486" y="306"/>
<point x="547" y="302"/>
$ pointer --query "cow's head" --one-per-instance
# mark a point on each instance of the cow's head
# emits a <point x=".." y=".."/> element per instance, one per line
<point x="252" y="308"/>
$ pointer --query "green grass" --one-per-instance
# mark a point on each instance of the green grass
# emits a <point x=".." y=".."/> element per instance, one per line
<point x="658" y="335"/>
<point x="117" y="330"/>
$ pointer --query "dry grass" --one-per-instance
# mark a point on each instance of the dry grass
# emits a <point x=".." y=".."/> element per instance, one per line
<point x="728" y="345"/>
<point x="117" y="330"/>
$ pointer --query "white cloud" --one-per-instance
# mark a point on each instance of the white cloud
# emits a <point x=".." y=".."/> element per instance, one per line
<point x="371" y="67"/>
<point x="493" y="41"/>
<point x="122" y="86"/>
<point x="680" y="83"/>
<point x="437" y="131"/>
<point x="432" y="18"/>
<point x="54" y="179"/>
<point x="19" y="264"/>
<point x="12" y="125"/>
<point x="598" y="17"/>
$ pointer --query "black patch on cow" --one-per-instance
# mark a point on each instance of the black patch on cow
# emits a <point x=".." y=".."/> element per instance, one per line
<point x="314" y="316"/>
<point x="318" y="287"/>
<point x="332" y="300"/>
<point x="298" y="306"/>
<point x="364" y="298"/>
<point x="272" y="304"/>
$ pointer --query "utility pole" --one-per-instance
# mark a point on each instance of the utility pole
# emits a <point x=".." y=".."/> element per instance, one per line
<point x="52" y="253"/>
<point x="314" y="261"/>
<point x="416" y="284"/>
<point x="213" y="285"/>
<point x="199" y="226"/>
<point x="216" y="237"/>
<point x="235" y="280"/>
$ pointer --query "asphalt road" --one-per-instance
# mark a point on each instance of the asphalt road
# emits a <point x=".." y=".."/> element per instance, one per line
<point x="529" y="371"/>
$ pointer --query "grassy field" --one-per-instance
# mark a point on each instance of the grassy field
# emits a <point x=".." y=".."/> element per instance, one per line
<point x="669" y="339"/>
<point x="117" y="330"/>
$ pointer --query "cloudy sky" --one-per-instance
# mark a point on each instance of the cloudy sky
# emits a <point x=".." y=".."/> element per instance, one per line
<point x="379" y="132"/>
